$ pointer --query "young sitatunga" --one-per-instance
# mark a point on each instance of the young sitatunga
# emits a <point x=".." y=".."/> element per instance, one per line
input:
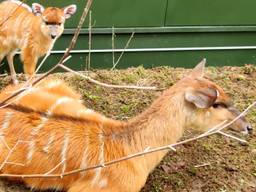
<point x="33" y="31"/>
<point x="57" y="128"/>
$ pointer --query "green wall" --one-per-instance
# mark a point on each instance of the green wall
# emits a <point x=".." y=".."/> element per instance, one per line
<point x="160" y="13"/>
<point x="211" y="12"/>
<point x="167" y="32"/>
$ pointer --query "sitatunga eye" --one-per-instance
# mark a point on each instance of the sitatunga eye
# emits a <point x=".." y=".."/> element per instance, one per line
<point x="219" y="105"/>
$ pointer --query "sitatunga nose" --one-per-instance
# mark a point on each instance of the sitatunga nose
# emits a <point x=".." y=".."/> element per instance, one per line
<point x="53" y="36"/>
<point x="249" y="128"/>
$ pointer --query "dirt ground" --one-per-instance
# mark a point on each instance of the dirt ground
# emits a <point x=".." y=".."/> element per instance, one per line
<point x="214" y="164"/>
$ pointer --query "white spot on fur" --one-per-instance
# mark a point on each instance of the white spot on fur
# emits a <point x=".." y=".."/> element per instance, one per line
<point x="84" y="163"/>
<point x="18" y="42"/>
<point x="5" y="125"/>
<point x="6" y="122"/>
<point x="84" y="111"/>
<point x="36" y="129"/>
<point x="44" y="120"/>
<point x="19" y="3"/>
<point x="208" y="113"/>
<point x="84" y="159"/>
<point x="88" y="111"/>
<point x="103" y="183"/>
<point x="31" y="149"/>
<point x="245" y="132"/>
<point x="218" y="93"/>
<point x="52" y="84"/>
<point x="45" y="18"/>
<point x="28" y="91"/>
<point x="96" y="179"/>
<point x="51" y="46"/>
<point x="64" y="152"/>
<point x="57" y="103"/>
<point x="49" y="143"/>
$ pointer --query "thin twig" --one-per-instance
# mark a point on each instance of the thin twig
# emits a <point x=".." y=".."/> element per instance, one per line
<point x="78" y="30"/>
<point x="232" y="137"/>
<point x="13" y="163"/>
<point x="1" y="64"/>
<point x="27" y="84"/>
<point x="86" y="64"/>
<point x="90" y="41"/>
<point x="113" y="46"/>
<point x="4" y="142"/>
<point x="203" y="165"/>
<point x="23" y="91"/>
<point x="45" y="57"/>
<point x="240" y="115"/>
<point x="9" y="154"/>
<point x="53" y="169"/>
<point x="172" y="148"/>
<point x="3" y="75"/>
<point x="121" y="55"/>
<point x="215" y="128"/>
<point x="105" y="84"/>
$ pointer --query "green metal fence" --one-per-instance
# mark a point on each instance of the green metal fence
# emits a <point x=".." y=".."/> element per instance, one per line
<point x="167" y="32"/>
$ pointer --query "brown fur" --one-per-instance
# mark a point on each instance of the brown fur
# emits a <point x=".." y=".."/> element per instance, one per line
<point x="86" y="139"/>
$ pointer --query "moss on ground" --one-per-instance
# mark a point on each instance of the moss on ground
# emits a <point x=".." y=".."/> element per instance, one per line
<point x="214" y="164"/>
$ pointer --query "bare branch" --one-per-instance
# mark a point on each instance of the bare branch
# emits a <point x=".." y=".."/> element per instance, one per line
<point x="53" y="169"/>
<point x="13" y="163"/>
<point x="105" y="84"/>
<point x="78" y="30"/>
<point x="20" y="93"/>
<point x="90" y="41"/>
<point x="232" y="137"/>
<point x="4" y="142"/>
<point x="113" y="46"/>
<point x="45" y="57"/>
<point x="3" y="75"/>
<point x="9" y="154"/>
<point x="203" y="165"/>
<point x="121" y="55"/>
<point x="172" y="148"/>
<point x="215" y="128"/>
<point x="239" y="116"/>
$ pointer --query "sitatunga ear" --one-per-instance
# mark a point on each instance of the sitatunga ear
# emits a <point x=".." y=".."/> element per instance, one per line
<point x="69" y="11"/>
<point x="37" y="9"/>
<point x="201" y="98"/>
<point x="198" y="71"/>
